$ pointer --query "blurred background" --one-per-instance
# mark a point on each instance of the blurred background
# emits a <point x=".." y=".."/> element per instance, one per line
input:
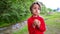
<point x="14" y="15"/>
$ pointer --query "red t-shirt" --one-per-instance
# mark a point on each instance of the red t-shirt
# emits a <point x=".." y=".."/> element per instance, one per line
<point x="36" y="30"/>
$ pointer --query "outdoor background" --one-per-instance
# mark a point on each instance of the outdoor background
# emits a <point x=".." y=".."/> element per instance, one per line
<point x="14" y="15"/>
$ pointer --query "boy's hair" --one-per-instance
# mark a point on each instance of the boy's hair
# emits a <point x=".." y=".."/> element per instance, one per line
<point x="38" y="3"/>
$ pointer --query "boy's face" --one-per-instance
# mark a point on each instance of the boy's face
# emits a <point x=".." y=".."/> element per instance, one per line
<point x="35" y="9"/>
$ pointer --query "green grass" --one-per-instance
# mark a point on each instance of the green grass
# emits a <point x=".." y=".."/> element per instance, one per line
<point x="52" y="24"/>
<point x="24" y="30"/>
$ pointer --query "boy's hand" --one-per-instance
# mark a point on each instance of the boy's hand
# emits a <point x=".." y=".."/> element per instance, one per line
<point x="37" y="22"/>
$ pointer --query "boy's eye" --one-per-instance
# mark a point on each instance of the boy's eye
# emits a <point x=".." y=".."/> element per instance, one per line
<point x="34" y="7"/>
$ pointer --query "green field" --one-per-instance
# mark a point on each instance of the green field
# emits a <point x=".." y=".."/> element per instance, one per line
<point x="52" y="24"/>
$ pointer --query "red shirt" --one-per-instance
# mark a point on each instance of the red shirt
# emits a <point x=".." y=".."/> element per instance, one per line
<point x="36" y="30"/>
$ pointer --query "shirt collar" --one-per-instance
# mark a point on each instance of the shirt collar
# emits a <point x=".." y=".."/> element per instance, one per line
<point x="35" y="17"/>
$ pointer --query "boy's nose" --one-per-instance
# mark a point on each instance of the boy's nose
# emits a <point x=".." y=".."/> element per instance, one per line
<point x="36" y="10"/>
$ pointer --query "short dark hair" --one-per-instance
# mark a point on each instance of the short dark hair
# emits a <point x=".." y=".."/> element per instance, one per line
<point x="38" y="3"/>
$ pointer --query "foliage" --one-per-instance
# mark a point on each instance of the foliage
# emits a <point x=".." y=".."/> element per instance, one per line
<point x="12" y="11"/>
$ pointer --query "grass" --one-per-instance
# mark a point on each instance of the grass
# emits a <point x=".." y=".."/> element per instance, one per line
<point x="22" y="31"/>
<point x="52" y="24"/>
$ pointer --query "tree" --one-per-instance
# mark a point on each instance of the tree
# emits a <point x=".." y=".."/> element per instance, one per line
<point x="13" y="11"/>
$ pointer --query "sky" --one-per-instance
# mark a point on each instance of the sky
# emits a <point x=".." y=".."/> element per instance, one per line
<point x="53" y="4"/>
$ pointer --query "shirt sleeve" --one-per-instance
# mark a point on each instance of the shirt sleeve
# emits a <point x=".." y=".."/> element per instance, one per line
<point x="30" y="27"/>
<point x="42" y="27"/>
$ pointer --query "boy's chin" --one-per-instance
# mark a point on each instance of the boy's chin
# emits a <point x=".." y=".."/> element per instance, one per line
<point x="36" y="14"/>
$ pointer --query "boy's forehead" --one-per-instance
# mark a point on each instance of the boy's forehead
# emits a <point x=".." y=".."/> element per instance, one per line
<point x="36" y="5"/>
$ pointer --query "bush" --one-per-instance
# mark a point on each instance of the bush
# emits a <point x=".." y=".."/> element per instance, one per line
<point x="12" y="11"/>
